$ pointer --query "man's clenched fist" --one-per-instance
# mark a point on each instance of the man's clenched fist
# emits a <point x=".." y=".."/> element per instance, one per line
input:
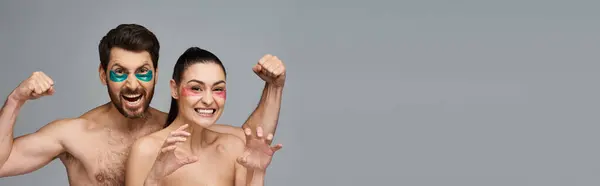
<point x="37" y="85"/>
<point x="271" y="70"/>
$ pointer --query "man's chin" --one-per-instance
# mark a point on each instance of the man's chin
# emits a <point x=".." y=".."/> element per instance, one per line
<point x="134" y="113"/>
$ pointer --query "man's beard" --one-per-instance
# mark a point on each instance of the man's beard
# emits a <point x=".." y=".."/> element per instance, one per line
<point x="117" y="101"/>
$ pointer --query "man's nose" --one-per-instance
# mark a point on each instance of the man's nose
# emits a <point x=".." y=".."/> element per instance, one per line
<point x="132" y="82"/>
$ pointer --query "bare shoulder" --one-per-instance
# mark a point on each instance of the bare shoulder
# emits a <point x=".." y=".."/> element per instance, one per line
<point x="65" y="126"/>
<point x="158" y="115"/>
<point x="230" y="144"/>
<point x="68" y="129"/>
<point x="228" y="129"/>
<point x="149" y="144"/>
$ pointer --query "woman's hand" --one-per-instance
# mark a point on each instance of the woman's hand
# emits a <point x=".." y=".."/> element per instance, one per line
<point x="171" y="157"/>
<point x="258" y="154"/>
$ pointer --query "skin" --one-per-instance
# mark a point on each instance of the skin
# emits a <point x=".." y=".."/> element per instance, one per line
<point x="94" y="146"/>
<point x="174" y="155"/>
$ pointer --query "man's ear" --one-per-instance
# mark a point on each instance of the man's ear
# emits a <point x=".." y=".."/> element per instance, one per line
<point x="174" y="92"/>
<point x="102" y="74"/>
<point x="155" y="75"/>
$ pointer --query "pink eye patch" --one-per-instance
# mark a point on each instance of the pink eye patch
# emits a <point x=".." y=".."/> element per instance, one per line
<point x="221" y="94"/>
<point x="187" y="91"/>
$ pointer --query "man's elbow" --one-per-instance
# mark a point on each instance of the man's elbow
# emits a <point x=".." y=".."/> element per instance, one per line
<point x="5" y="171"/>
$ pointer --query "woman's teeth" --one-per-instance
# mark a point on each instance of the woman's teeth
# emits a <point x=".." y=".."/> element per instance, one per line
<point x="205" y="111"/>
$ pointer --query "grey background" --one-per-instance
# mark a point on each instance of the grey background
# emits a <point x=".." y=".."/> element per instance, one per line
<point x="419" y="93"/>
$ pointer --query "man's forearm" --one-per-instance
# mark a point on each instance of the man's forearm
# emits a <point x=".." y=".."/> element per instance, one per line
<point x="8" y="117"/>
<point x="266" y="113"/>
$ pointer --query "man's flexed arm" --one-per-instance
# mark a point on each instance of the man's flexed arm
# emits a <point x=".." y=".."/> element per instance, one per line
<point x="8" y="117"/>
<point x="266" y="115"/>
<point x="33" y="151"/>
<point x="21" y="155"/>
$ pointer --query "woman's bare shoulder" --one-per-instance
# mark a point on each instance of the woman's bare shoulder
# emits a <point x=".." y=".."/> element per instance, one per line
<point x="229" y="144"/>
<point x="149" y="144"/>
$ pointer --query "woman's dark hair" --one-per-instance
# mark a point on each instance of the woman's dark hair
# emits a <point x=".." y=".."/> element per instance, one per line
<point x="191" y="56"/>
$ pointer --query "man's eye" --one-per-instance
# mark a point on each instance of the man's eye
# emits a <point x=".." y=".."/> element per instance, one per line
<point x="119" y="71"/>
<point x="143" y="71"/>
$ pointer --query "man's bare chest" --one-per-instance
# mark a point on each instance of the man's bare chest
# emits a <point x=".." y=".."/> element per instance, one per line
<point x="99" y="158"/>
<point x="97" y="165"/>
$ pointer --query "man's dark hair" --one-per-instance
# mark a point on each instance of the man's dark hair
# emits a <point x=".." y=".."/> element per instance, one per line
<point x="131" y="37"/>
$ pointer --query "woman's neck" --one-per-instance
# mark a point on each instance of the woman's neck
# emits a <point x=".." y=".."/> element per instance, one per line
<point x="197" y="139"/>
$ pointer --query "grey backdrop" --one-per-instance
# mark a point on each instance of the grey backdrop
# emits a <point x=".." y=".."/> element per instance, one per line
<point x="419" y="93"/>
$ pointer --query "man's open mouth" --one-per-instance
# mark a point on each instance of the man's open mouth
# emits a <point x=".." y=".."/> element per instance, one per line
<point x="132" y="100"/>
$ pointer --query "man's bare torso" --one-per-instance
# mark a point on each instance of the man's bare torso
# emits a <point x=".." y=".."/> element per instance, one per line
<point x="97" y="149"/>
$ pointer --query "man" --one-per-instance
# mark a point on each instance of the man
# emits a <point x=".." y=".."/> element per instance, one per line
<point x="94" y="146"/>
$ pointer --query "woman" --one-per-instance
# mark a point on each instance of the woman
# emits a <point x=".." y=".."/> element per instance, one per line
<point x="182" y="154"/>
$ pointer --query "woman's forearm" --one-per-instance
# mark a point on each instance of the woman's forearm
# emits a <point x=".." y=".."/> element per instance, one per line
<point x="151" y="181"/>
<point x="255" y="178"/>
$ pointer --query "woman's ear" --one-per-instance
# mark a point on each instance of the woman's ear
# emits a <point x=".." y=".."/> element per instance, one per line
<point x="174" y="91"/>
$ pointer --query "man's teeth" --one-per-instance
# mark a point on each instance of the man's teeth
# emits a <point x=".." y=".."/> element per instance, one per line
<point x="134" y="103"/>
<point x="132" y="95"/>
<point x="205" y="111"/>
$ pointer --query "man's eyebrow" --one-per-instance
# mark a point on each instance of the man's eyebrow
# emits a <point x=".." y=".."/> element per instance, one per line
<point x="146" y="65"/>
<point x="117" y="64"/>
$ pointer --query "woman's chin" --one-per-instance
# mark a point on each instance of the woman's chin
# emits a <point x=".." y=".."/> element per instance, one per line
<point x="204" y="122"/>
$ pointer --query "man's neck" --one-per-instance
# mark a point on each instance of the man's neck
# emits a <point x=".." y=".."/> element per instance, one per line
<point x="124" y="124"/>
